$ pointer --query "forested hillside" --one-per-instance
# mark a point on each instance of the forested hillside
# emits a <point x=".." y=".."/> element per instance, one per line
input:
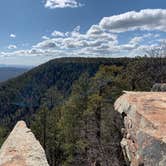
<point x="69" y="105"/>
<point x="22" y="95"/>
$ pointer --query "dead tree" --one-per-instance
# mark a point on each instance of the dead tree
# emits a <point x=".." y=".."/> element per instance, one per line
<point x="157" y="57"/>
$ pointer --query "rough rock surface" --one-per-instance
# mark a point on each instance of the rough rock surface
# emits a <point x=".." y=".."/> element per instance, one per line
<point x="159" y="87"/>
<point x="144" y="141"/>
<point x="22" y="149"/>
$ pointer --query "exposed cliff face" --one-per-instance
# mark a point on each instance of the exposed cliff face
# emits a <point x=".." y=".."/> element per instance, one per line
<point x="144" y="142"/>
<point x="22" y="149"/>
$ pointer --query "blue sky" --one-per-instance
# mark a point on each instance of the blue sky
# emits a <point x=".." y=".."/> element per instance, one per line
<point x="34" y="31"/>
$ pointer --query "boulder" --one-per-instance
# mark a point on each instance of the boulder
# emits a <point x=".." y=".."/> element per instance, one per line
<point x="144" y="135"/>
<point x="159" y="87"/>
<point x="22" y="149"/>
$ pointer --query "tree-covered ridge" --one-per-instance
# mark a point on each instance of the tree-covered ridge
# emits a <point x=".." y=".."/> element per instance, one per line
<point x="21" y="96"/>
<point x="69" y="105"/>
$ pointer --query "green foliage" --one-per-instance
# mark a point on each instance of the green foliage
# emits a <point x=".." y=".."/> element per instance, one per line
<point x="142" y="73"/>
<point x="69" y="105"/>
<point x="2" y="135"/>
<point x="72" y="119"/>
<point x="45" y="125"/>
<point x="25" y="92"/>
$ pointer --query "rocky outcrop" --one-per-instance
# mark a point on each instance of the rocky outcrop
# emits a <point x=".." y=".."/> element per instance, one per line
<point x="144" y="140"/>
<point x="22" y="149"/>
<point x="159" y="87"/>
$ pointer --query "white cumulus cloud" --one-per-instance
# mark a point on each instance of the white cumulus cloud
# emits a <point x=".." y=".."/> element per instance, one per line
<point x="57" y="34"/>
<point x="105" y="38"/>
<point x="12" y="35"/>
<point x="147" y="19"/>
<point x="45" y="37"/>
<point x="52" y="4"/>
<point x="12" y="46"/>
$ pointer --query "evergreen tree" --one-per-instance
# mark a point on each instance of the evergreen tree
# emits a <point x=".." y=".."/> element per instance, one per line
<point x="2" y="135"/>
<point x="73" y="122"/>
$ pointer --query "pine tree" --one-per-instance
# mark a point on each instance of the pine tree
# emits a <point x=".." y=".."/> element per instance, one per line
<point x="73" y="122"/>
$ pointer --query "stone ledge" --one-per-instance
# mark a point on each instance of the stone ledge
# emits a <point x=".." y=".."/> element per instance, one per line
<point x="144" y="141"/>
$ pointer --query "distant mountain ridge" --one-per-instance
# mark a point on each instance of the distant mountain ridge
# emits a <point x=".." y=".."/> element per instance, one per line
<point x="11" y="72"/>
<point x="16" y="66"/>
